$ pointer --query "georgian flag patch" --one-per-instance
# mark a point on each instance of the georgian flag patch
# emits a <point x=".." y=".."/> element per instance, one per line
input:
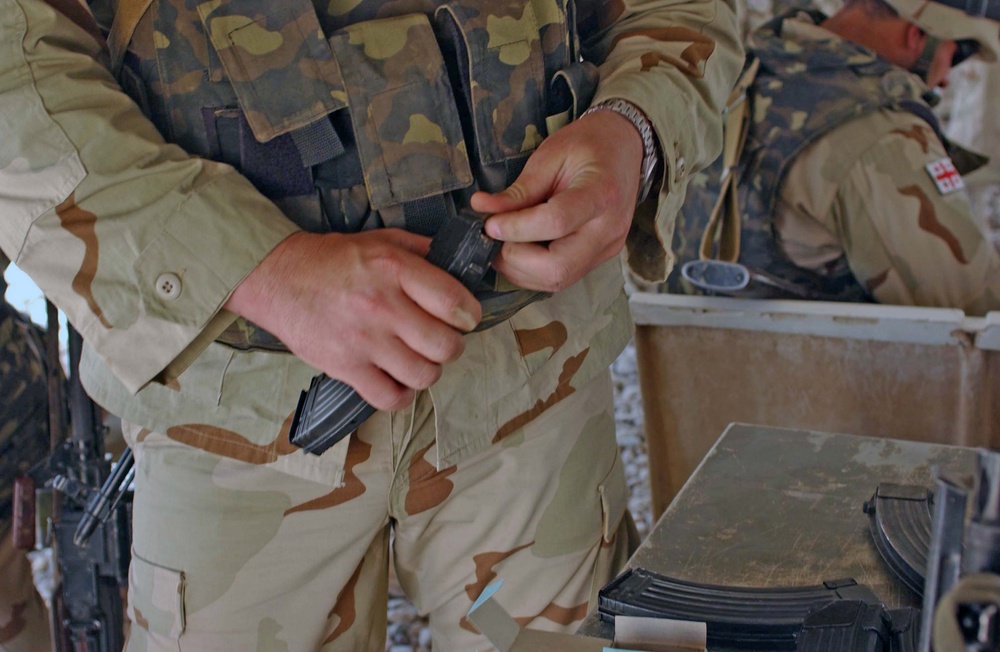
<point x="946" y="177"/>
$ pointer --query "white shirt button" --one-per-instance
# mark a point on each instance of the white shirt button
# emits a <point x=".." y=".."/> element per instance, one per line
<point x="168" y="286"/>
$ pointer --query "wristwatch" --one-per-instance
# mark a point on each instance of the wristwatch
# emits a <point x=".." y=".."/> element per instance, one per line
<point x="651" y="156"/>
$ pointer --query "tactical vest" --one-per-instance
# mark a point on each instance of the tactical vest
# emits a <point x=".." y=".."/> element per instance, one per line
<point x="361" y="115"/>
<point x="803" y="91"/>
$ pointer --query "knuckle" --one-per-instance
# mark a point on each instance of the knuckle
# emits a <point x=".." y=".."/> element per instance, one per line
<point x="426" y="375"/>
<point x="389" y="261"/>
<point x="450" y="348"/>
<point x="350" y="341"/>
<point x="560" y="220"/>
<point x="614" y="197"/>
<point x="369" y="303"/>
<point x="560" y="277"/>
<point x="515" y="192"/>
<point x="396" y="400"/>
<point x="386" y="397"/>
<point x="610" y="196"/>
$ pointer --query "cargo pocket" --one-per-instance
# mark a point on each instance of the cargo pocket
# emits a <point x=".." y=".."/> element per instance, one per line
<point x="501" y="75"/>
<point x="405" y="122"/>
<point x="156" y="598"/>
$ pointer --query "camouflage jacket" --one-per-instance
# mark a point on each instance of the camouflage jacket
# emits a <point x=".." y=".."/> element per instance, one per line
<point x="828" y="114"/>
<point x="98" y="201"/>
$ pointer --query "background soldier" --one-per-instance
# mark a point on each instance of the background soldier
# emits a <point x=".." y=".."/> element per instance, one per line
<point x="352" y="117"/>
<point x="974" y="122"/>
<point x="24" y="440"/>
<point x="847" y="189"/>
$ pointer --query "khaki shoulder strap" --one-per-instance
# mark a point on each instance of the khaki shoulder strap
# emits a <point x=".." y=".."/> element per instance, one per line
<point x="724" y="222"/>
<point x="127" y="17"/>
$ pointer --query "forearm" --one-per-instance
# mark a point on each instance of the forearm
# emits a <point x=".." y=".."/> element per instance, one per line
<point x="677" y="61"/>
<point x="97" y="208"/>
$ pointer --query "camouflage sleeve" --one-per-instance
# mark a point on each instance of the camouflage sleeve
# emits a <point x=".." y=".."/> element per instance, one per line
<point x="136" y="241"/>
<point x="908" y="241"/>
<point x="676" y="60"/>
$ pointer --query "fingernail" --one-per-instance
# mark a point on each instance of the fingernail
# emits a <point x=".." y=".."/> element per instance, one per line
<point x="492" y="230"/>
<point x="464" y="319"/>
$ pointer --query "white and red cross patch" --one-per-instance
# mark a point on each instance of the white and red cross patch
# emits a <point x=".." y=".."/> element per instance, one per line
<point x="946" y="177"/>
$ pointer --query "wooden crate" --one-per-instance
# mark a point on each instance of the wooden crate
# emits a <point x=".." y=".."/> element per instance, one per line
<point x="919" y="374"/>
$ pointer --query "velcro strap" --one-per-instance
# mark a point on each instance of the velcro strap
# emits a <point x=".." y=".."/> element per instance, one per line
<point x="317" y="142"/>
<point x="425" y="216"/>
<point x="126" y="19"/>
<point x="724" y="222"/>
<point x="923" y="64"/>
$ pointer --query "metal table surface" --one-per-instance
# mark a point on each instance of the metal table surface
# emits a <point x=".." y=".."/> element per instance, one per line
<point x="772" y="507"/>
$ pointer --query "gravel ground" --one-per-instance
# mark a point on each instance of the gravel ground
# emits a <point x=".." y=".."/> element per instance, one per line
<point x="408" y="632"/>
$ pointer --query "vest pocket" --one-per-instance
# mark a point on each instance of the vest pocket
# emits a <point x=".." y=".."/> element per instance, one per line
<point x="500" y="71"/>
<point x="277" y="60"/>
<point x="405" y="122"/>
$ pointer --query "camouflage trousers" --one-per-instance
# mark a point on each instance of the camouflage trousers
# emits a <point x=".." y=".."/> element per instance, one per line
<point x="24" y="620"/>
<point x="233" y="556"/>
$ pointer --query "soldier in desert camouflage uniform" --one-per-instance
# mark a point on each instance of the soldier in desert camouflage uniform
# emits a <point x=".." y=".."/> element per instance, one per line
<point x="974" y="122"/>
<point x="847" y="190"/>
<point x="24" y="440"/>
<point x="191" y="283"/>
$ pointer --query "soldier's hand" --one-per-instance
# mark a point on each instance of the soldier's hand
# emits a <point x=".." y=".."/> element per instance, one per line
<point x="364" y="308"/>
<point x="571" y="207"/>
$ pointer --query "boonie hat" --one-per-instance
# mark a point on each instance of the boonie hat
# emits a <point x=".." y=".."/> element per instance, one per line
<point x="957" y="20"/>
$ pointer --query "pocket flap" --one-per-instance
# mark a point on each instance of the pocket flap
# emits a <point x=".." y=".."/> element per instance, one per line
<point x="505" y="69"/>
<point x="614" y="498"/>
<point x="277" y="60"/>
<point x="161" y="609"/>
<point x="405" y="120"/>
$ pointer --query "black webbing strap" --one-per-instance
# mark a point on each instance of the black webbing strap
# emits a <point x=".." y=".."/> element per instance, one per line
<point x="317" y="142"/>
<point x="425" y="216"/>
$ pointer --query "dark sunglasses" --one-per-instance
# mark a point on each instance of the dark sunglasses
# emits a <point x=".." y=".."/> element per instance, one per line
<point x="964" y="49"/>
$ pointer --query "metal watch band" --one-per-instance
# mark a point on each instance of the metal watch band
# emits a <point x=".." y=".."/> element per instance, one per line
<point x="650" y="157"/>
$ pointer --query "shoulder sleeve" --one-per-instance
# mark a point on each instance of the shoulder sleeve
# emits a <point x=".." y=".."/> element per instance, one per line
<point x="909" y="240"/>
<point x="676" y="60"/>
<point x="139" y="243"/>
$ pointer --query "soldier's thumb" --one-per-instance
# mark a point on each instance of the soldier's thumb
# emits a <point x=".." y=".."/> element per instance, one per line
<point x="531" y="188"/>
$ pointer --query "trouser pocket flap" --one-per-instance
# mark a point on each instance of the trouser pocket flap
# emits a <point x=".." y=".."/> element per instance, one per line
<point x="157" y="598"/>
<point x="614" y="498"/>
